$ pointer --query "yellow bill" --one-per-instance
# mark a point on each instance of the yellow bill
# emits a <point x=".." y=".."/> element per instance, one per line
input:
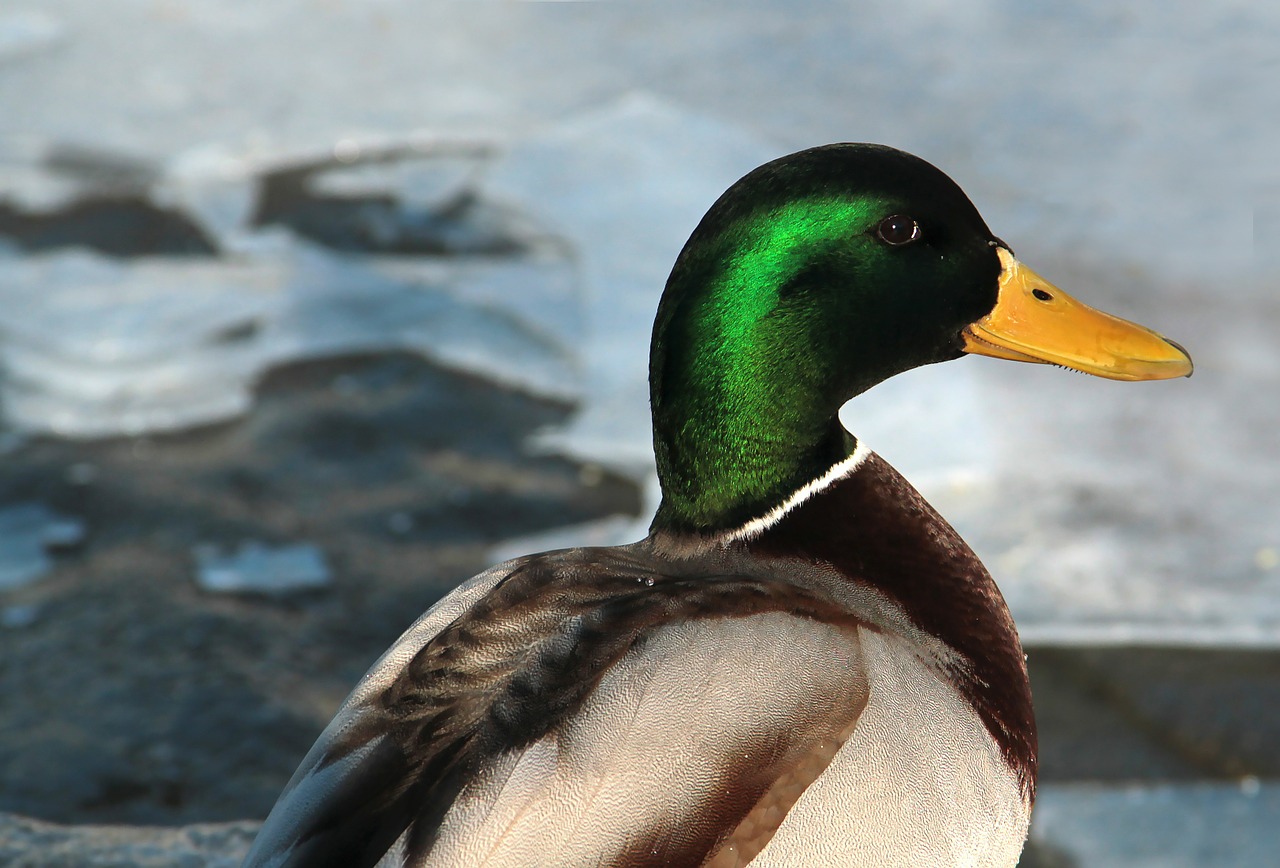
<point x="1034" y="321"/>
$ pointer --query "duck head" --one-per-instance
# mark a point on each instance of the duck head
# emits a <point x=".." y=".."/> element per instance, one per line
<point x="817" y="276"/>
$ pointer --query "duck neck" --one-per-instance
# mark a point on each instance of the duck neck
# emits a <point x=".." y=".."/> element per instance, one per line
<point x="745" y="409"/>
<point x="720" y="472"/>
<point x="752" y="356"/>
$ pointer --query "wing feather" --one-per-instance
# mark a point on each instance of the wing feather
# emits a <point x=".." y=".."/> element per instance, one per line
<point x="578" y="708"/>
<point x="334" y="811"/>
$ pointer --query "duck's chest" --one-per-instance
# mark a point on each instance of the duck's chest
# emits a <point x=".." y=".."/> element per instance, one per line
<point x="920" y="781"/>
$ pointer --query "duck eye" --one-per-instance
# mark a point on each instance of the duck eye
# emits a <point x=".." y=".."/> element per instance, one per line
<point x="898" y="230"/>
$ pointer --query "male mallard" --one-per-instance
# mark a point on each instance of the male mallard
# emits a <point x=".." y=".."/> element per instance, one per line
<point x="802" y="664"/>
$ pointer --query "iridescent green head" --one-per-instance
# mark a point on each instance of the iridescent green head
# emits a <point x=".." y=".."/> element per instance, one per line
<point x="812" y="279"/>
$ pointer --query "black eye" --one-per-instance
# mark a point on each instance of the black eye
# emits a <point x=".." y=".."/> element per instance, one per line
<point x="898" y="230"/>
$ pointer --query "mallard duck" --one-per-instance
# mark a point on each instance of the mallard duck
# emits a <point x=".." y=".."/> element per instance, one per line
<point x="802" y="664"/>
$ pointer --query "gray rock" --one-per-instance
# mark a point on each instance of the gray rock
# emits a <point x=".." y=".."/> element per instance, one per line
<point x="28" y="843"/>
<point x="129" y="695"/>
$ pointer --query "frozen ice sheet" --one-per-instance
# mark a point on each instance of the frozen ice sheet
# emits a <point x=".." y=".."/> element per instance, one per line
<point x="1122" y="135"/>
<point x="19" y="616"/>
<point x="95" y="347"/>
<point x="1121" y="153"/>
<point x="27" y="31"/>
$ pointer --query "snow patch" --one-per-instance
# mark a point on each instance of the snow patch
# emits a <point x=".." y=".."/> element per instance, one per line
<point x="29" y="533"/>
<point x="257" y="568"/>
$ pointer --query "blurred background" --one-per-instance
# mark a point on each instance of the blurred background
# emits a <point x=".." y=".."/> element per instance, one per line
<point x="309" y="310"/>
